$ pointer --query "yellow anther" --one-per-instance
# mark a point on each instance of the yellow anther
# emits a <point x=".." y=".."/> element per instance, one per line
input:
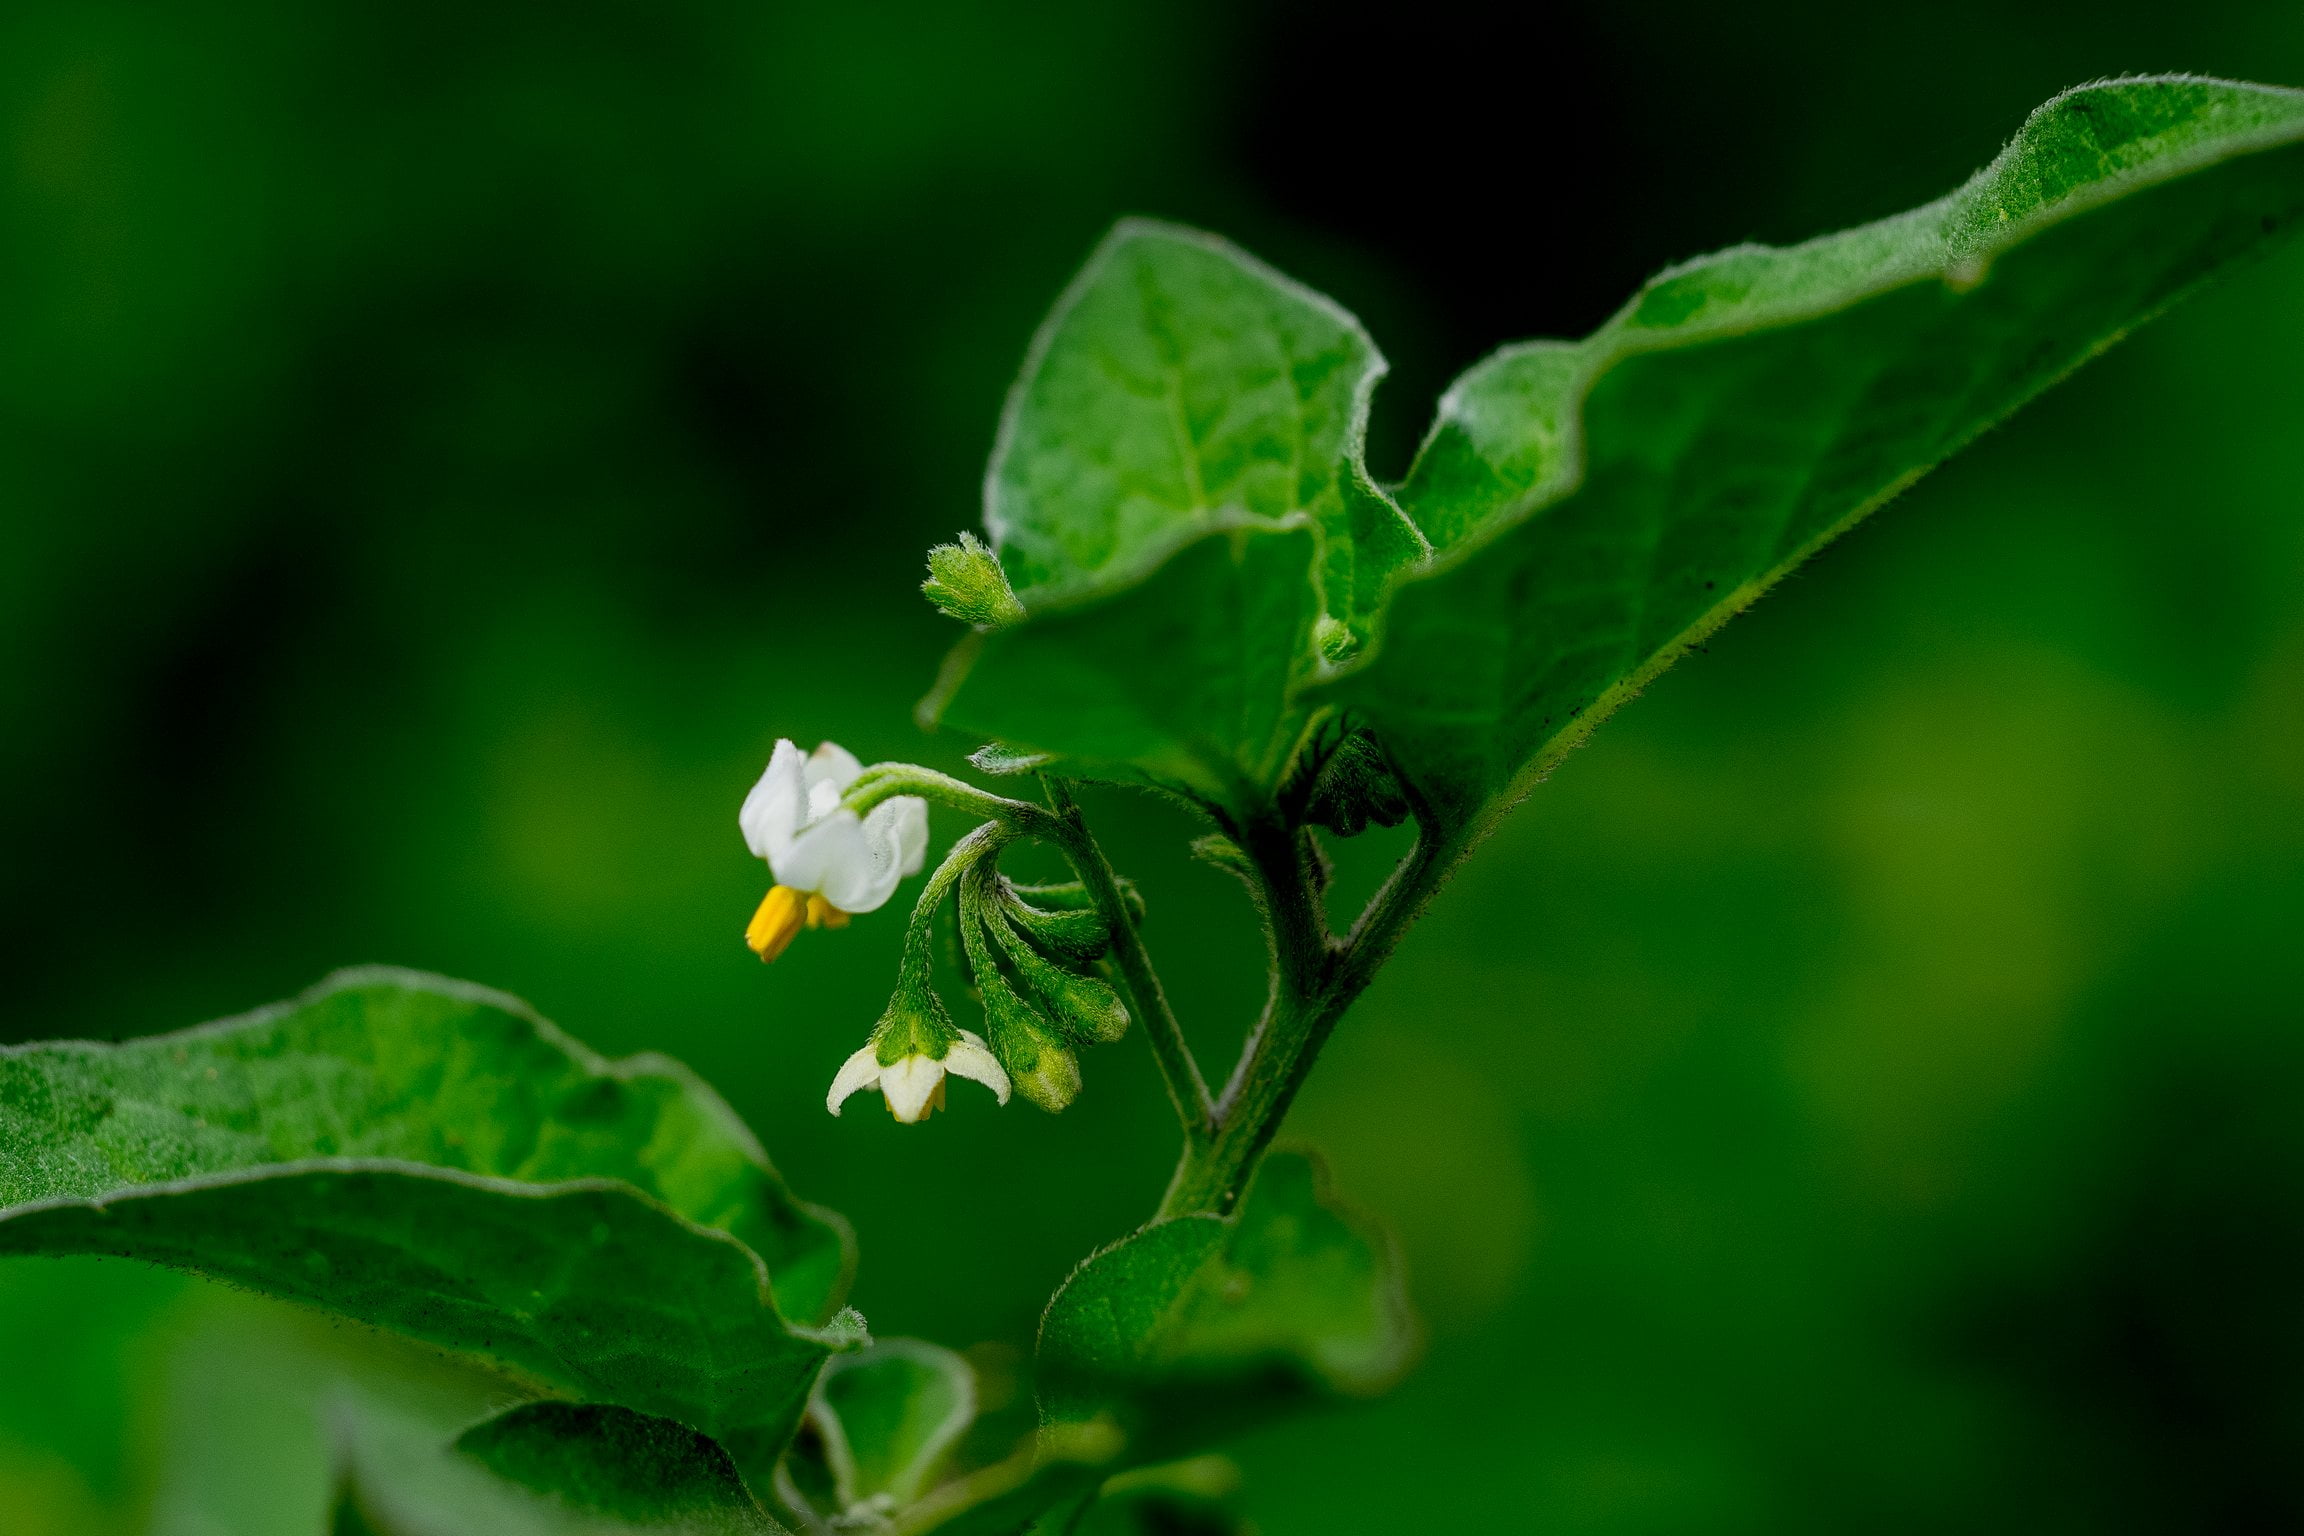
<point x="781" y="914"/>
<point x="822" y="914"/>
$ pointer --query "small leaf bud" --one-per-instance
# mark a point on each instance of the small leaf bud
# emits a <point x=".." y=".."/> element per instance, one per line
<point x="1356" y="788"/>
<point x="966" y="582"/>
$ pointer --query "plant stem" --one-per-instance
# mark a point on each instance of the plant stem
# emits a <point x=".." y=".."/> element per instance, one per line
<point x="1317" y="979"/>
<point x="1187" y="1089"/>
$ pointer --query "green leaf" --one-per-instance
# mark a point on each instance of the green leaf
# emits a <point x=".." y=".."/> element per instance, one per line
<point x="1600" y="507"/>
<point x="587" y="1286"/>
<point x="541" y="1469"/>
<point x="432" y="1159"/>
<point x="888" y="1416"/>
<point x="382" y="1063"/>
<point x="1177" y="1498"/>
<point x="1049" y="1479"/>
<point x="1202" y="1325"/>
<point x="1180" y="386"/>
<point x="1184" y="682"/>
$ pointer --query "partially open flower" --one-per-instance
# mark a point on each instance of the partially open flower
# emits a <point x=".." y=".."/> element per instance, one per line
<point x="828" y="862"/>
<point x="907" y="1059"/>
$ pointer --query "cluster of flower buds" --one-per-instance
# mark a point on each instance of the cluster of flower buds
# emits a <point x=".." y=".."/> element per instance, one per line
<point x="1032" y="952"/>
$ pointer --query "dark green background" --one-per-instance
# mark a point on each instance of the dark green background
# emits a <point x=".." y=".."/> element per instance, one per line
<point x="442" y="446"/>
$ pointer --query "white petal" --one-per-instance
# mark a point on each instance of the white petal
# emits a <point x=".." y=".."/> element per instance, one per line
<point x="971" y="1059"/>
<point x="895" y="844"/>
<point x="873" y="867"/>
<point x="910" y="815"/>
<point x="909" y="1084"/>
<point x="773" y="811"/>
<point x="832" y="763"/>
<point x="861" y="1070"/>
<point x="825" y="856"/>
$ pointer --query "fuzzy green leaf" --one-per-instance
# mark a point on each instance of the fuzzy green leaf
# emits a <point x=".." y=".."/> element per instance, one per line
<point x="1047" y="1482"/>
<point x="542" y="1469"/>
<point x="1178" y="386"/>
<point x="433" y="1159"/>
<point x="384" y="1063"/>
<point x="588" y="1286"/>
<point x="1600" y="507"/>
<point x="1199" y="1326"/>
<point x="888" y="1415"/>
<point x="1184" y="682"/>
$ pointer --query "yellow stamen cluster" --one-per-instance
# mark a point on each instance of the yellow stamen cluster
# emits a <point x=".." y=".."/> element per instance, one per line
<point x="783" y="913"/>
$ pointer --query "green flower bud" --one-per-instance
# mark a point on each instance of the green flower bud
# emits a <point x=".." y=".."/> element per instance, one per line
<point x="1082" y="1006"/>
<point x="1028" y="1045"/>
<point x="1038" y="1063"/>
<point x="1077" y="934"/>
<point x="1072" y="896"/>
<point x="965" y="580"/>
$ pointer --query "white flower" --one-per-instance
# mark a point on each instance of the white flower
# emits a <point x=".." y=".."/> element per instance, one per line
<point x="828" y="861"/>
<point x="914" y="1084"/>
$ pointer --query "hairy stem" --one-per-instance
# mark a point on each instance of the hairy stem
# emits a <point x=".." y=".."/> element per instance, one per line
<point x="1187" y="1090"/>
<point x="1317" y="979"/>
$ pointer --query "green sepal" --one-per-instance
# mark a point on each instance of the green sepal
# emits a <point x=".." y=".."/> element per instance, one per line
<point x="916" y="1024"/>
<point x="1199" y="1326"/>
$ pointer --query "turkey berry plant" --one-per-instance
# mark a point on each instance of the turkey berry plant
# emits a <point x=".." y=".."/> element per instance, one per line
<point x="1190" y="584"/>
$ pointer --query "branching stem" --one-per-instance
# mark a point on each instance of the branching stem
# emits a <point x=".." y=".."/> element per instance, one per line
<point x="1316" y="975"/>
<point x="1317" y="978"/>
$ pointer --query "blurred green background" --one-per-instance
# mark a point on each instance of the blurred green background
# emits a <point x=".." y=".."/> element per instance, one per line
<point x="442" y="446"/>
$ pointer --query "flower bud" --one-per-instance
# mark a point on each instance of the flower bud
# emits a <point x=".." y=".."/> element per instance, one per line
<point x="1029" y="1046"/>
<point x="966" y="582"/>
<point x="1081" y="1006"/>
<point x="1037" y="1061"/>
<point x="1078" y="934"/>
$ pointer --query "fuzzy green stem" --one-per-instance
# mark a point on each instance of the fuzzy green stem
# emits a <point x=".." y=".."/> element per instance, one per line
<point x="981" y="843"/>
<point x="1316" y="979"/>
<point x="1187" y="1089"/>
